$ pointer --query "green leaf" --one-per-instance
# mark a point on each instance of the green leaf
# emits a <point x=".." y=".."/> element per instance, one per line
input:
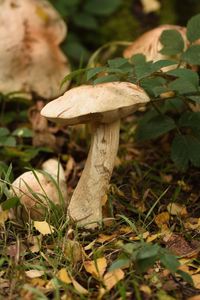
<point x="147" y="251"/>
<point x="179" y="152"/>
<point x="193" y="28"/>
<point x="182" y="86"/>
<point x="84" y="20"/>
<point x="138" y="59"/>
<point x="190" y="119"/>
<point x="117" y="62"/>
<point x="108" y="78"/>
<point x="185" y="276"/>
<point x="150" y="84"/>
<point x="10" y="203"/>
<point x="143" y="70"/>
<point x="119" y="263"/>
<point x="94" y="71"/>
<point x="73" y="75"/>
<point x="172" y="41"/>
<point x="103" y="7"/>
<point x="23" y="132"/>
<point x="194" y="150"/>
<point x="154" y="127"/>
<point x="162" y="63"/>
<point x="169" y="261"/>
<point x="186" y="74"/>
<point x="7" y="141"/>
<point x="192" y="55"/>
<point x="4" y="131"/>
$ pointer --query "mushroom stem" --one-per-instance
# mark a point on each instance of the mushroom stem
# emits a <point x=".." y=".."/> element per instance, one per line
<point x="85" y="206"/>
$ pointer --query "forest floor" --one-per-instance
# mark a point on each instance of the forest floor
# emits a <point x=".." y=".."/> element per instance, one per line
<point x="151" y="210"/>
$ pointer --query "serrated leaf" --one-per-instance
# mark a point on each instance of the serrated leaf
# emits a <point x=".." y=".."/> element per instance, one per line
<point x="193" y="28"/>
<point x="154" y="127"/>
<point x="103" y="7"/>
<point x="172" y="42"/>
<point x="192" y="55"/>
<point x="186" y="74"/>
<point x="143" y="70"/>
<point x="150" y="84"/>
<point x="182" y="86"/>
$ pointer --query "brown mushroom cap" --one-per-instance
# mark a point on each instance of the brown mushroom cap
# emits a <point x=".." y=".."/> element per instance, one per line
<point x="149" y="44"/>
<point x="102" y="103"/>
<point x="31" y="61"/>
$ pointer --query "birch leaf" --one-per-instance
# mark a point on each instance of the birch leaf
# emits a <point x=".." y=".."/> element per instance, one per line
<point x="43" y="227"/>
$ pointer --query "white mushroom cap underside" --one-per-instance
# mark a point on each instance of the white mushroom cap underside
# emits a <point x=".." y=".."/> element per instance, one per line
<point x="104" y="103"/>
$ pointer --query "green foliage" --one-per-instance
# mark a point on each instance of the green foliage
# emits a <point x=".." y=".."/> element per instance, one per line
<point x="145" y="255"/>
<point x="167" y="88"/>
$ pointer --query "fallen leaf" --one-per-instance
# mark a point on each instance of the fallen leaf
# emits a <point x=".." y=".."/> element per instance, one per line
<point x="192" y="223"/>
<point x="90" y="245"/>
<point x="35" y="241"/>
<point x="43" y="227"/>
<point x="102" y="238"/>
<point x="179" y="246"/>
<point x="110" y="279"/>
<point x="162" y="218"/>
<point x="175" y="209"/>
<point x="145" y="289"/>
<point x="196" y="280"/>
<point x="96" y="268"/>
<point x="80" y="289"/>
<point x="150" y="6"/>
<point x="34" y="273"/>
<point x="197" y="297"/>
<point x="153" y="237"/>
<point x="143" y="235"/>
<point x="63" y="276"/>
<point x="73" y="251"/>
<point x="38" y="282"/>
<point x="3" y="216"/>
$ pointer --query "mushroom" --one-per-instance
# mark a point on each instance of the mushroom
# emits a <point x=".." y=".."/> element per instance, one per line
<point x="150" y="45"/>
<point x="37" y="190"/>
<point x="31" y="61"/>
<point x="103" y="105"/>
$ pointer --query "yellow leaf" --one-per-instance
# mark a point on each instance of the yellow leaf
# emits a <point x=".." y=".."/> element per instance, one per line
<point x="43" y="227"/>
<point x="145" y="289"/>
<point x="110" y="279"/>
<point x="96" y="268"/>
<point x="162" y="218"/>
<point x="153" y="237"/>
<point x="63" y="276"/>
<point x="3" y="216"/>
<point x="105" y="238"/>
<point x="192" y="223"/>
<point x="196" y="280"/>
<point x="144" y="235"/>
<point x="150" y="5"/>
<point x="80" y="289"/>
<point x="38" y="282"/>
<point x="177" y="209"/>
<point x="34" y="273"/>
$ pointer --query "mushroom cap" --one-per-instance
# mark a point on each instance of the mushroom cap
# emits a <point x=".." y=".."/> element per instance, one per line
<point x="149" y="44"/>
<point x="35" y="190"/>
<point x="102" y="103"/>
<point x="31" y="61"/>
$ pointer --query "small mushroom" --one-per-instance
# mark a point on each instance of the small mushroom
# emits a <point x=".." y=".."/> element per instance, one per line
<point x="149" y="43"/>
<point x="31" y="60"/>
<point x="102" y="105"/>
<point x="37" y="189"/>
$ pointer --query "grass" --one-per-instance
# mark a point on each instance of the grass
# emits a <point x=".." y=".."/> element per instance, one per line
<point x="73" y="263"/>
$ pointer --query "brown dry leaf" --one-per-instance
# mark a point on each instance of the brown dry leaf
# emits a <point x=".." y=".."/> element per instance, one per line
<point x="73" y="251"/>
<point x="63" y="276"/>
<point x="110" y="279"/>
<point x="96" y="268"/>
<point x="197" y="297"/>
<point x="179" y="246"/>
<point x="34" y="273"/>
<point x="177" y="209"/>
<point x="35" y="241"/>
<point x="125" y="229"/>
<point x="196" y="280"/>
<point x="43" y="227"/>
<point x="3" y="216"/>
<point x="162" y="218"/>
<point x="150" y="6"/>
<point x="102" y="238"/>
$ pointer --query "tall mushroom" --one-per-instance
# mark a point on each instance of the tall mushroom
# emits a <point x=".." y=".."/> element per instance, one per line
<point x="102" y="105"/>
<point x="149" y="43"/>
<point x="31" y="60"/>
